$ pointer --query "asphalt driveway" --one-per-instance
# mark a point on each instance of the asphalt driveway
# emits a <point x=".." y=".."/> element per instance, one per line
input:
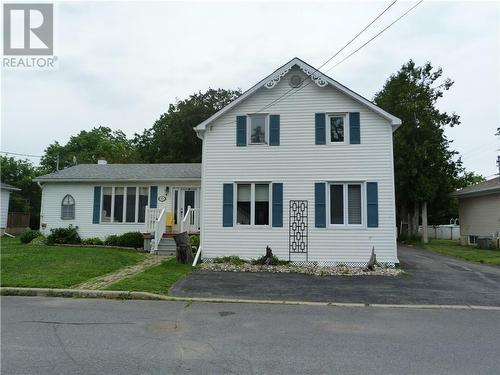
<point x="433" y="279"/>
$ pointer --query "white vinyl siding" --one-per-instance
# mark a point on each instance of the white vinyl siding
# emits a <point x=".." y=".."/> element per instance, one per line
<point x="298" y="163"/>
<point x="83" y="193"/>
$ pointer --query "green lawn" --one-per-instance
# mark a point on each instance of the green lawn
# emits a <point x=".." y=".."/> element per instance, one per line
<point x="156" y="279"/>
<point x="57" y="266"/>
<point x="454" y="249"/>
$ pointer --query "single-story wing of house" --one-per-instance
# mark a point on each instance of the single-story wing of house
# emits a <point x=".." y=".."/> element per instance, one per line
<point x="479" y="213"/>
<point x="298" y="162"/>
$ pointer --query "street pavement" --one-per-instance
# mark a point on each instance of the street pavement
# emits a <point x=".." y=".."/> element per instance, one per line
<point x="82" y="336"/>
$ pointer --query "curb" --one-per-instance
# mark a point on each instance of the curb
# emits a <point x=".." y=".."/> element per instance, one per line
<point x="126" y="295"/>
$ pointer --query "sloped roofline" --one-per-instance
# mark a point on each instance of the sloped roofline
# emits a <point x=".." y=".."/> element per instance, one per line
<point x="395" y="122"/>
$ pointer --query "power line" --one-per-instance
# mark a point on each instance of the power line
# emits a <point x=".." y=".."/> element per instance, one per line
<point x="334" y="55"/>
<point x="326" y="62"/>
<point x="17" y="154"/>
<point x="376" y="35"/>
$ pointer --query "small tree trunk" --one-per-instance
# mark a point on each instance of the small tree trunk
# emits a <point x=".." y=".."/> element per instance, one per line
<point x="370" y="266"/>
<point x="416" y="216"/>
<point x="425" y="233"/>
<point x="183" y="250"/>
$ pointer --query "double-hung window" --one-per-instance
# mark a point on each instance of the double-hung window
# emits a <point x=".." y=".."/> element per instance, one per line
<point x="337" y="126"/>
<point x="346" y="204"/>
<point x="258" y="129"/>
<point x="252" y="204"/>
<point x="124" y="204"/>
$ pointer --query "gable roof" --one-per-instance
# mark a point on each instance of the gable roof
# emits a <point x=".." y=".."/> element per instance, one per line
<point x="482" y="188"/>
<point x="126" y="172"/>
<point x="8" y="187"/>
<point x="316" y="75"/>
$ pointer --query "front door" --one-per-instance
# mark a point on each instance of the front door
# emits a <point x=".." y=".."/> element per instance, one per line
<point x="183" y="197"/>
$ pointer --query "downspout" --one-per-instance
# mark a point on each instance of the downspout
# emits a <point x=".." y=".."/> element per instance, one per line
<point x="41" y="206"/>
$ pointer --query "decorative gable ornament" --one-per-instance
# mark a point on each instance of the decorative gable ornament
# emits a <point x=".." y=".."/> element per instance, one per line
<point x="315" y="76"/>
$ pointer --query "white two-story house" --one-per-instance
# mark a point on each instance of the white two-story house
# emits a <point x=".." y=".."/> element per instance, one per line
<point x="298" y="162"/>
<point x="302" y="164"/>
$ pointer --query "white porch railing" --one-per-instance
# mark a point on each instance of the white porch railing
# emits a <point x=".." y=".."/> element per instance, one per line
<point x="155" y="223"/>
<point x="191" y="221"/>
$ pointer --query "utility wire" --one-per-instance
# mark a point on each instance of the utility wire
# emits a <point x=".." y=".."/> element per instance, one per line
<point x="376" y="35"/>
<point x="371" y="39"/>
<point x="17" y="154"/>
<point x="326" y="62"/>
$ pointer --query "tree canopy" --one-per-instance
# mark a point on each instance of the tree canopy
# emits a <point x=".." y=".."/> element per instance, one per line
<point x="172" y="139"/>
<point x="426" y="168"/>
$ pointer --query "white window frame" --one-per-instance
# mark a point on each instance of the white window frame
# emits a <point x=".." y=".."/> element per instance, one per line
<point x="252" y="204"/>
<point x="124" y="222"/>
<point x="329" y="128"/>
<point x="346" y="224"/>
<point x="249" y="129"/>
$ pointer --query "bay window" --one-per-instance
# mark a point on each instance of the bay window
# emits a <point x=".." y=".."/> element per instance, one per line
<point x="124" y="204"/>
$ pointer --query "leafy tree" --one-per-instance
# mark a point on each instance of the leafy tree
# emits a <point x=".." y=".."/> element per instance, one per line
<point x="172" y="139"/>
<point x="20" y="173"/>
<point x="426" y="171"/>
<point x="88" y="147"/>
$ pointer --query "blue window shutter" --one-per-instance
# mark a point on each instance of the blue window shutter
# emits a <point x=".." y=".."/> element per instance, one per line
<point x="274" y="130"/>
<point x="320" y="121"/>
<point x="97" y="205"/>
<point x="354" y="128"/>
<point x="227" y="205"/>
<point x="241" y="130"/>
<point x="154" y="196"/>
<point x="277" y="204"/>
<point x="320" y="205"/>
<point x="372" y="204"/>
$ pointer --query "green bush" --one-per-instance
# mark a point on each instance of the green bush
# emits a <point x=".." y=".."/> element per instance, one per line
<point x="40" y="240"/>
<point x="233" y="259"/>
<point x="195" y="240"/>
<point x="129" y="239"/>
<point x="111" y="240"/>
<point x="93" y="241"/>
<point x="29" y="235"/>
<point x="67" y="235"/>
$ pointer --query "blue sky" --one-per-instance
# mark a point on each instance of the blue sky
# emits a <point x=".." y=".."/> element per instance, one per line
<point x="122" y="63"/>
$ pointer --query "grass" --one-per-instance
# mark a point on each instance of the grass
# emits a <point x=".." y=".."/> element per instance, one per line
<point x="156" y="279"/>
<point x="454" y="249"/>
<point x="58" y="266"/>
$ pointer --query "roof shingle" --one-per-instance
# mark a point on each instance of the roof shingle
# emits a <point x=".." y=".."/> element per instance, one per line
<point x="126" y="172"/>
<point x="485" y="187"/>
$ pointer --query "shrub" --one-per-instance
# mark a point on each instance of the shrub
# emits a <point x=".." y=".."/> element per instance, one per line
<point x="93" y="241"/>
<point x="131" y="239"/>
<point x="29" y="235"/>
<point x="40" y="240"/>
<point x="67" y="235"/>
<point x="232" y="259"/>
<point x="111" y="240"/>
<point x="195" y="240"/>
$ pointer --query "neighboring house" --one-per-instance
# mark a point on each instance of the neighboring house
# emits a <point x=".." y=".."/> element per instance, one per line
<point x="5" y="190"/>
<point x="104" y="199"/>
<point x="479" y="212"/>
<point x="298" y="162"/>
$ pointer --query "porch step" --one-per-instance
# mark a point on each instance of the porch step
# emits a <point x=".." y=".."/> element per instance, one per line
<point x="166" y="246"/>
